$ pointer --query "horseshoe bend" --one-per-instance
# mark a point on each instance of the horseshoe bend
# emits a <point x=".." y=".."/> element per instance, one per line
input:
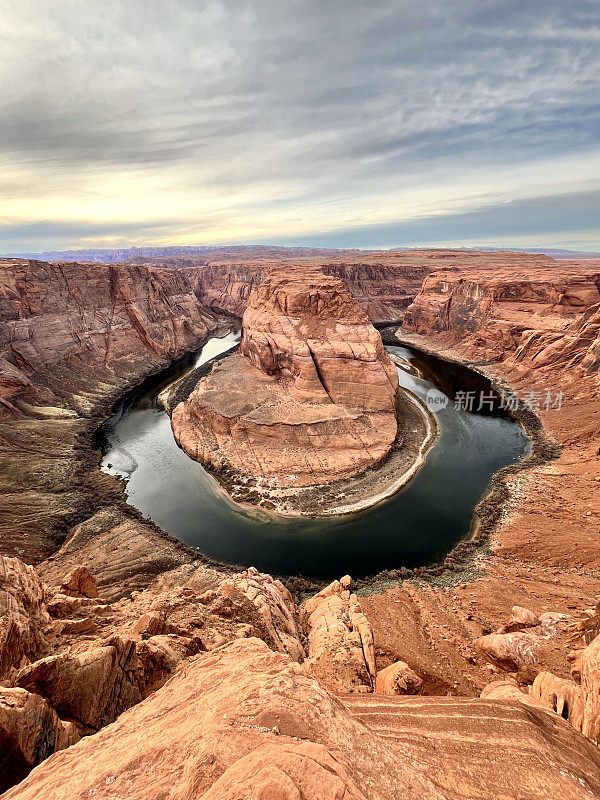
<point x="310" y="399"/>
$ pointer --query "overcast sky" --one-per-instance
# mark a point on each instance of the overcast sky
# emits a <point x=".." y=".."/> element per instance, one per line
<point x="333" y="122"/>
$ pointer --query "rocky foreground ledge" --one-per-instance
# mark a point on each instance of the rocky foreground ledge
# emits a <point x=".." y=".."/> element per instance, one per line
<point x="309" y="401"/>
<point x="210" y="688"/>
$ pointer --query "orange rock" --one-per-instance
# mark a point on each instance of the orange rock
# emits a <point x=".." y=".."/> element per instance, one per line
<point x="524" y="617"/>
<point x="23" y="616"/>
<point x="275" y="607"/>
<point x="508" y="651"/>
<point x="398" y="678"/>
<point x="590" y="685"/>
<point x="241" y="721"/>
<point x="508" y="689"/>
<point x="312" y="373"/>
<point x="341" y="651"/>
<point x="563" y="696"/>
<point x="30" y="731"/>
<point x="80" y="583"/>
<point x="95" y="686"/>
<point x="500" y="308"/>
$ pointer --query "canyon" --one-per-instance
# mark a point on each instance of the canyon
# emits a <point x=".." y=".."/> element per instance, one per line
<point x="104" y="665"/>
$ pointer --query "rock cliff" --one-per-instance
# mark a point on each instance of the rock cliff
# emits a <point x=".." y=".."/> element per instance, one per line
<point x="311" y="373"/>
<point x="73" y="337"/>
<point x="529" y="306"/>
<point x="82" y="661"/>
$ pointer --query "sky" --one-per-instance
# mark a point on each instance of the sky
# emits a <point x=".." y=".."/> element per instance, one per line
<point x="332" y="123"/>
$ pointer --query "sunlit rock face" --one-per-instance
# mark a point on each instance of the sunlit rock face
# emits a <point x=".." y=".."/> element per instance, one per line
<point x="310" y="397"/>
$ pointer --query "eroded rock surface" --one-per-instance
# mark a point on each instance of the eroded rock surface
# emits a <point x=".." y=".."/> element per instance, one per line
<point x="398" y="678"/>
<point x="30" y="731"/>
<point x="23" y="616"/>
<point x="241" y="721"/>
<point x="341" y="651"/>
<point x="311" y="373"/>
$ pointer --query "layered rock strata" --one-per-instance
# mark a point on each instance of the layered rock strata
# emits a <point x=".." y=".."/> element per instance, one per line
<point x="73" y="337"/>
<point x="309" y="399"/>
<point x="246" y="722"/>
<point x="538" y="310"/>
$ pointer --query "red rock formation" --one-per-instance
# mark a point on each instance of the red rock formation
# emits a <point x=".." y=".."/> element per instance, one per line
<point x="472" y="748"/>
<point x="113" y="318"/>
<point x="590" y="685"/>
<point x="562" y="696"/>
<point x="312" y="373"/>
<point x="341" y="651"/>
<point x="495" y="312"/>
<point x="80" y="583"/>
<point x="243" y="721"/>
<point x="30" y="731"/>
<point x="238" y="721"/>
<point x="72" y="338"/>
<point x="23" y="616"/>
<point x="508" y="651"/>
<point x="398" y="678"/>
<point x="508" y="689"/>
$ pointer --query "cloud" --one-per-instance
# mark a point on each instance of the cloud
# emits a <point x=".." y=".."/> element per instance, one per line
<point x="216" y="121"/>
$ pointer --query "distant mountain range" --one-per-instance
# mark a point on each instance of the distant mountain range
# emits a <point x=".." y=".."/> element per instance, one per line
<point x="253" y="252"/>
<point x="112" y="256"/>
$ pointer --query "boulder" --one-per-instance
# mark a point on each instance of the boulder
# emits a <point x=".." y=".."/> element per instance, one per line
<point x="95" y="686"/>
<point x="508" y="689"/>
<point x="398" y="678"/>
<point x="508" y="651"/>
<point x="30" y="731"/>
<point x="524" y="617"/>
<point x="92" y="688"/>
<point x="23" y="616"/>
<point x="151" y="624"/>
<point x="80" y="583"/>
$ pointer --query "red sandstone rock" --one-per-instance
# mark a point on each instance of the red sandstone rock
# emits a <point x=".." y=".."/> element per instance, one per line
<point x="485" y="749"/>
<point x="312" y="373"/>
<point x="508" y="651"/>
<point x="398" y="678"/>
<point x="524" y="617"/>
<point x="80" y="583"/>
<point x="508" y="689"/>
<point x="95" y="686"/>
<point x="73" y="337"/>
<point x="498" y="311"/>
<point x="341" y="651"/>
<point x="275" y="606"/>
<point x="590" y="685"/>
<point x="563" y="696"/>
<point x="309" y="330"/>
<point x="23" y="616"/>
<point x="30" y="731"/>
<point x="241" y="721"/>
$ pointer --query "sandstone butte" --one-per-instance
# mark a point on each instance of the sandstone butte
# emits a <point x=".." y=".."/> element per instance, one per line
<point x="118" y="631"/>
<point x="309" y="399"/>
